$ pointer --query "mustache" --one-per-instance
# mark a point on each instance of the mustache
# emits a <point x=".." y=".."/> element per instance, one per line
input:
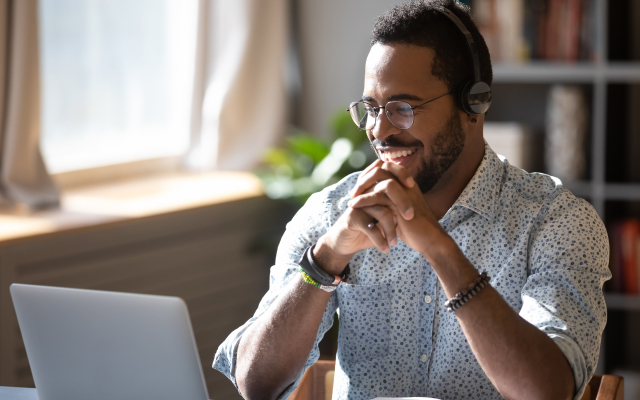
<point x="393" y="141"/>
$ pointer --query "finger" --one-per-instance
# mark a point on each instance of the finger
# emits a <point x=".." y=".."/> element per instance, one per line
<point x="401" y="173"/>
<point x="360" y="220"/>
<point x="376" y="164"/>
<point x="387" y="193"/>
<point x="386" y="222"/>
<point x="370" y="178"/>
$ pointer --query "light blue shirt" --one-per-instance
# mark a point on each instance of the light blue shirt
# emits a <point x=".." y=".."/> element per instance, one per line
<point x="546" y="251"/>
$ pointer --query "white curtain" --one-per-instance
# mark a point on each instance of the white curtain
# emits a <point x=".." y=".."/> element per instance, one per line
<point x="23" y="175"/>
<point x="240" y="97"/>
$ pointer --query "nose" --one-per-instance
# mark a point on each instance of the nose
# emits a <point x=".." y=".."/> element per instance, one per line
<point x="383" y="128"/>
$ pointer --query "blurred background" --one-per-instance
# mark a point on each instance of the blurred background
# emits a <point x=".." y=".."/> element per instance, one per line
<point x="160" y="146"/>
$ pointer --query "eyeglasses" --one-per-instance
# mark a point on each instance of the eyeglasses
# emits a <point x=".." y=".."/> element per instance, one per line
<point x="400" y="113"/>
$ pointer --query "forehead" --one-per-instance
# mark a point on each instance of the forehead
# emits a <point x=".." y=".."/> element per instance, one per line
<point x="400" y="68"/>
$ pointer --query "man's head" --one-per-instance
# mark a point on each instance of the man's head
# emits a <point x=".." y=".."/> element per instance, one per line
<point x="418" y="54"/>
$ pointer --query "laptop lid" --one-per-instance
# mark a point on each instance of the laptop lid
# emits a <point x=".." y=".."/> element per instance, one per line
<point x="98" y="345"/>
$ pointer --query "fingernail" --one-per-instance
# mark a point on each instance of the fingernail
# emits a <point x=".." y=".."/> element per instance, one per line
<point x="394" y="241"/>
<point x="350" y="203"/>
<point x="410" y="182"/>
<point x="409" y="213"/>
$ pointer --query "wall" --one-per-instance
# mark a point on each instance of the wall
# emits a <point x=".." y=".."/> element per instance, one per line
<point x="333" y="45"/>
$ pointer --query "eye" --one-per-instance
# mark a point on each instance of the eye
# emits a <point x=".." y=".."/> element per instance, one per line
<point x="404" y="110"/>
<point x="371" y="111"/>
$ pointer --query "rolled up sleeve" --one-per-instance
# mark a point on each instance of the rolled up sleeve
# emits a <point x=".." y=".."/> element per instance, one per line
<point x="569" y="256"/>
<point x="304" y="230"/>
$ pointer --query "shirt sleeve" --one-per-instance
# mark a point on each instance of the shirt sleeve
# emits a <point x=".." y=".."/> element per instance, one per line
<point x="569" y="257"/>
<point x="304" y="230"/>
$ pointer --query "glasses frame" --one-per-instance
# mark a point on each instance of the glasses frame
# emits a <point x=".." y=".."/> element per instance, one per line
<point x="376" y="110"/>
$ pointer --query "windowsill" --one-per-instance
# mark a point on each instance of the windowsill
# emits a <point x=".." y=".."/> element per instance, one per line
<point x="96" y="205"/>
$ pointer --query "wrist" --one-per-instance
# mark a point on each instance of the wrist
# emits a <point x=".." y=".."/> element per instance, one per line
<point x="327" y="259"/>
<point x="439" y="245"/>
<point x="454" y="270"/>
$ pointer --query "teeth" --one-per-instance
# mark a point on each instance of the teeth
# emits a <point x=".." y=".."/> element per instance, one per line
<point x="396" y="154"/>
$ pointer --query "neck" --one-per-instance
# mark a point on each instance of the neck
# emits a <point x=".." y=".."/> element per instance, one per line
<point x="449" y="187"/>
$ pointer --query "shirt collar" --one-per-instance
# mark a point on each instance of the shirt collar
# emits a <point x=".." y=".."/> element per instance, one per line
<point x="483" y="190"/>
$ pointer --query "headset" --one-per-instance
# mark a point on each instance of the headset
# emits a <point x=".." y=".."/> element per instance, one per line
<point x="474" y="96"/>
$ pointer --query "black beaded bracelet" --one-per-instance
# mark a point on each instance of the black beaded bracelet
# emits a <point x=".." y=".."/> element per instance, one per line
<point x="461" y="298"/>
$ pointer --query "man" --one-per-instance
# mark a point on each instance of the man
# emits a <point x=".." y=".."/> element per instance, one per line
<point x="416" y="228"/>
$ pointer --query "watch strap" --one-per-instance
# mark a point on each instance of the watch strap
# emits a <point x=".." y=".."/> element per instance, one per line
<point x="309" y="266"/>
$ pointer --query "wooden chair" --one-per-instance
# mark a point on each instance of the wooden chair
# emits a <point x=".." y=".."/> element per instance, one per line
<point x="317" y="384"/>
<point x="605" y="387"/>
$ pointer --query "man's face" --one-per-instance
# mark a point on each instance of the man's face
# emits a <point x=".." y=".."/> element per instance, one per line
<point x="436" y="138"/>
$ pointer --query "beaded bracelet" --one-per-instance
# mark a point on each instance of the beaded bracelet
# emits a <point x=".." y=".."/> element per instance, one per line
<point x="308" y="279"/>
<point x="462" y="297"/>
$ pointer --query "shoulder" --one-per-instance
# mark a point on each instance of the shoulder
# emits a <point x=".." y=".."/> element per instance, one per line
<point x="559" y="218"/>
<point x="564" y="227"/>
<point x="534" y="186"/>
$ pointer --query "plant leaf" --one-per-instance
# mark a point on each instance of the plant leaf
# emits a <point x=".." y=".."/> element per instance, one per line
<point x="309" y="146"/>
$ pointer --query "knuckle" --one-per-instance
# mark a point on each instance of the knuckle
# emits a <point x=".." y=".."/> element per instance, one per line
<point x="393" y="185"/>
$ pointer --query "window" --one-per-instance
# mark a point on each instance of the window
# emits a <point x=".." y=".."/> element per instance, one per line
<point x="117" y="78"/>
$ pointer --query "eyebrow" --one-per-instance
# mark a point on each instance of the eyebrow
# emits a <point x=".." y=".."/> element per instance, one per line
<point x="395" y="97"/>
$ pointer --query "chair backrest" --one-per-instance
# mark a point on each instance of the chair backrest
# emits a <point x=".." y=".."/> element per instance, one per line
<point x="317" y="384"/>
<point x="605" y="387"/>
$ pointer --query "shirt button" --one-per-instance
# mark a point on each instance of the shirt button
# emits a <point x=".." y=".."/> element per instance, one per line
<point x="427" y="299"/>
<point x="423" y="358"/>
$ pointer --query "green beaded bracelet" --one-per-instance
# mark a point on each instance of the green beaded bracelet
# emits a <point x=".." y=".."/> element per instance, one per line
<point x="308" y="279"/>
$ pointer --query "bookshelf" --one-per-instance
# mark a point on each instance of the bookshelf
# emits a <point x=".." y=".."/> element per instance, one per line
<point x="618" y="301"/>
<point x="525" y="86"/>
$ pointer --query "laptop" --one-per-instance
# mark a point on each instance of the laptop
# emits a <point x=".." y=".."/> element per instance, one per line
<point x="98" y="345"/>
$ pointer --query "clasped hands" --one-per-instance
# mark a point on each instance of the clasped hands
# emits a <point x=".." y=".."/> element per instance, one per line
<point x="385" y="192"/>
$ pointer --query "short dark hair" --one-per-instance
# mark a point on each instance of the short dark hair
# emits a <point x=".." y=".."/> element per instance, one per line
<point x="418" y="23"/>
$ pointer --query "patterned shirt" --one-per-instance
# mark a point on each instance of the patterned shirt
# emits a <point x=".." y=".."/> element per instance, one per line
<point x="546" y="251"/>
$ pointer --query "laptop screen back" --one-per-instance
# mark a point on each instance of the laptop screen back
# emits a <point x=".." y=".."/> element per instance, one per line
<point x="86" y="344"/>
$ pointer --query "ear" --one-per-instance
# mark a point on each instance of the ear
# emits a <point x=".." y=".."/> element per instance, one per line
<point x="472" y="124"/>
<point x="471" y="119"/>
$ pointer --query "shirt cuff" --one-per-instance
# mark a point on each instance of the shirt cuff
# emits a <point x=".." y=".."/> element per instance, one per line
<point x="226" y="356"/>
<point x="576" y="360"/>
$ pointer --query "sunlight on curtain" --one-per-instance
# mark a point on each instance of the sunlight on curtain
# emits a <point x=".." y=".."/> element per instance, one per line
<point x="117" y="79"/>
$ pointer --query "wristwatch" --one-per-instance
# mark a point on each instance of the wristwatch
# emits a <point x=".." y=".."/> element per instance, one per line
<point x="312" y="269"/>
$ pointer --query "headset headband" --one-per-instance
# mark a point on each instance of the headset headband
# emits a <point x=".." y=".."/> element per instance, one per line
<point x="470" y="42"/>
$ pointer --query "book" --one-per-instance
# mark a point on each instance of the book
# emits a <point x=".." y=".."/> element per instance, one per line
<point x="617" y="278"/>
<point x="518" y="143"/>
<point x="629" y="241"/>
<point x="552" y="30"/>
<point x="624" y="264"/>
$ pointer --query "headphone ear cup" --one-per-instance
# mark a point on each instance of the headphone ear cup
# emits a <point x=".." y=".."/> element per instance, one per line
<point x="463" y="97"/>
<point x="475" y="97"/>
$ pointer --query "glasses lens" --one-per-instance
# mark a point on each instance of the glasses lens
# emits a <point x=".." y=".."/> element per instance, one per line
<point x="363" y="115"/>
<point x="400" y="114"/>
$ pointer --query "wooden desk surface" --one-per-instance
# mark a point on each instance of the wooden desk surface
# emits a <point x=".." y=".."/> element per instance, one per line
<point x="108" y="203"/>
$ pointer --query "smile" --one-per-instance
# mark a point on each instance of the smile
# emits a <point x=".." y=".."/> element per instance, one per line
<point x="395" y="156"/>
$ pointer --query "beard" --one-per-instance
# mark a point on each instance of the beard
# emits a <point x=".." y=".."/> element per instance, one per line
<point x="443" y="152"/>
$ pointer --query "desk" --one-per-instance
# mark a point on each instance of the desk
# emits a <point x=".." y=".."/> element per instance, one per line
<point x="17" y="393"/>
